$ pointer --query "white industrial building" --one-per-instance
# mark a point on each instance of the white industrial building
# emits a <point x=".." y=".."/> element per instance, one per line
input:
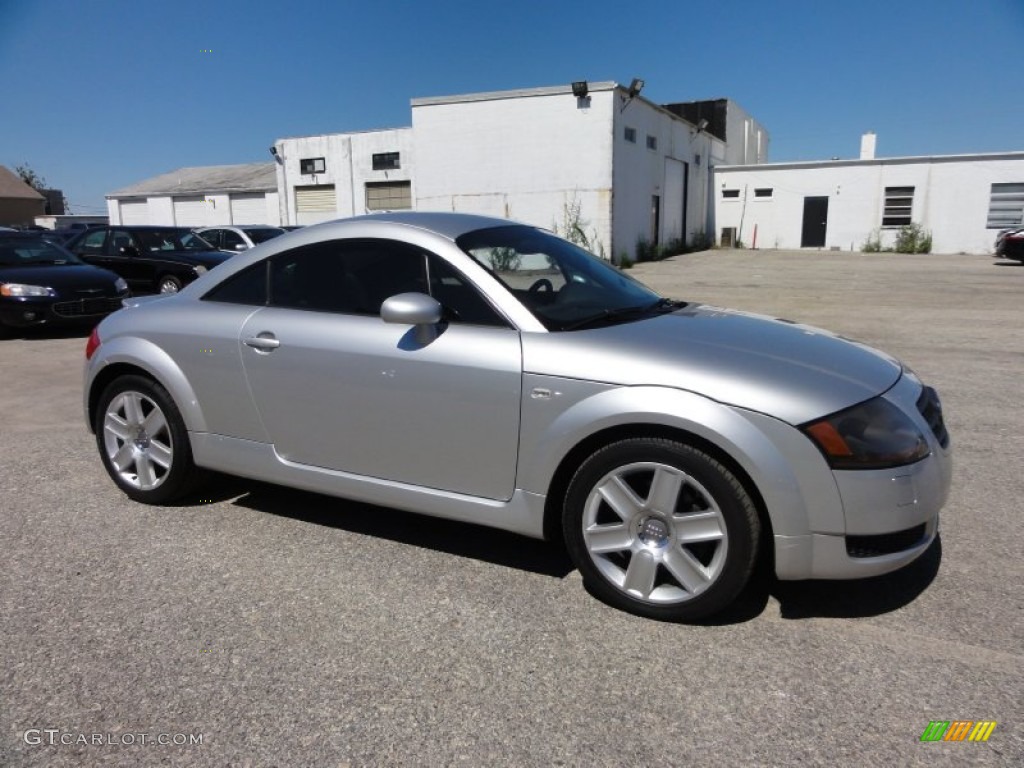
<point x="200" y="197"/>
<point x="619" y="166"/>
<point x="961" y="200"/>
<point x="343" y="174"/>
<point x="597" y="158"/>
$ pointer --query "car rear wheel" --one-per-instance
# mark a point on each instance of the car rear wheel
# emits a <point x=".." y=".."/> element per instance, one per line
<point x="143" y="441"/>
<point x="169" y="284"/>
<point x="661" y="529"/>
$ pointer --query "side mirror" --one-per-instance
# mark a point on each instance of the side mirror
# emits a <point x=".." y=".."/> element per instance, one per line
<point x="241" y="247"/>
<point x="129" y="250"/>
<point x="415" y="309"/>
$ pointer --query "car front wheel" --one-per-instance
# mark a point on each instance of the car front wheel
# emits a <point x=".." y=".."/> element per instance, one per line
<point x="169" y="284"/>
<point x="661" y="529"/>
<point x="143" y="441"/>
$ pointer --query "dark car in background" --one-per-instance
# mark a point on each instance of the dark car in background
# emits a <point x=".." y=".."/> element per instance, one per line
<point x="1010" y="244"/>
<point x="43" y="284"/>
<point x="239" y="238"/>
<point x="152" y="259"/>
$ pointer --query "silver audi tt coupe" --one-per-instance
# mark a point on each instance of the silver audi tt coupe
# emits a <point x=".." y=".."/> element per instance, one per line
<point x="481" y="370"/>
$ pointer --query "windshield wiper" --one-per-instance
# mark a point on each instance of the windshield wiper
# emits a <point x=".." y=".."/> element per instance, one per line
<point x="621" y="313"/>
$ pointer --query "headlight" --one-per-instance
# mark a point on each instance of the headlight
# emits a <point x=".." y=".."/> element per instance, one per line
<point x="200" y="269"/>
<point x="872" y="435"/>
<point x="20" y="290"/>
<point x="120" y="285"/>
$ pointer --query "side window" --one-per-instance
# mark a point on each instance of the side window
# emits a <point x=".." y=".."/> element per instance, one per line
<point x="93" y="242"/>
<point x="461" y="300"/>
<point x="346" y="276"/>
<point x="118" y="240"/>
<point x="212" y="236"/>
<point x="247" y="287"/>
<point x="231" y="240"/>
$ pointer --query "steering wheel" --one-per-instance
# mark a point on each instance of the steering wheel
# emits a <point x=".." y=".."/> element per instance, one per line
<point x="542" y="285"/>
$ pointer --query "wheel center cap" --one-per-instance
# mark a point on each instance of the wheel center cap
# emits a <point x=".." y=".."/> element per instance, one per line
<point x="141" y="440"/>
<point x="653" y="532"/>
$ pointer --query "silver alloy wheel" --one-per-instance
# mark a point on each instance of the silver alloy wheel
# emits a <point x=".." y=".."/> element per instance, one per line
<point x="137" y="440"/>
<point x="655" y="533"/>
<point x="169" y="285"/>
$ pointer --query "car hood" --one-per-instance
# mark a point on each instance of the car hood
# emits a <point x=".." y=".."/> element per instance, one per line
<point x="63" y="278"/>
<point x="792" y="372"/>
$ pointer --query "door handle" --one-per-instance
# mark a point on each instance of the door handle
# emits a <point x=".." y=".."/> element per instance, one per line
<point x="264" y="342"/>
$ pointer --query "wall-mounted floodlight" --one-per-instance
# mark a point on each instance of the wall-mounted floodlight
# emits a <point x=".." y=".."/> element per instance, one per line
<point x="702" y="124"/>
<point x="580" y="89"/>
<point x="635" y="87"/>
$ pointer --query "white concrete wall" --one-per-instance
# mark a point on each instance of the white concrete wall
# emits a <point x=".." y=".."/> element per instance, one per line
<point x="523" y="158"/>
<point x="217" y="210"/>
<point x="348" y="159"/>
<point x="746" y="139"/>
<point x="951" y="199"/>
<point x="640" y="173"/>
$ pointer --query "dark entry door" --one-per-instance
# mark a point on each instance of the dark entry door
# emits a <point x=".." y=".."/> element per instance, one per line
<point x="815" y="222"/>
<point x="655" y="218"/>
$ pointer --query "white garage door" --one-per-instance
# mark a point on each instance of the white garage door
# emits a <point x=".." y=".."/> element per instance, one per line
<point x="248" y="209"/>
<point x="314" y="204"/>
<point x="135" y="212"/>
<point x="192" y="212"/>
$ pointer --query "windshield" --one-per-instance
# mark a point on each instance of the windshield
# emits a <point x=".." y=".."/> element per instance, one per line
<point x="171" y="240"/>
<point x="262" y="235"/>
<point x="561" y="284"/>
<point x="28" y="251"/>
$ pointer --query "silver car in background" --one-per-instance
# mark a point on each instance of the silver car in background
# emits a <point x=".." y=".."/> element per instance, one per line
<point x="481" y="370"/>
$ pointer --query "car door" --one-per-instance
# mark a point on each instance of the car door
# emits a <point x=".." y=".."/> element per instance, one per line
<point x="124" y="255"/>
<point x="91" y="249"/>
<point x="339" y="388"/>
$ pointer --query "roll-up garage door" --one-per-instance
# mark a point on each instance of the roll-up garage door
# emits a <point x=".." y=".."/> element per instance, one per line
<point x="313" y="204"/>
<point x="192" y="212"/>
<point x="249" y="209"/>
<point x="135" y="212"/>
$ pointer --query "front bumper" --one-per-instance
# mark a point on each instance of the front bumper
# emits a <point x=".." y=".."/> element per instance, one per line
<point x="891" y="515"/>
<point x="34" y="311"/>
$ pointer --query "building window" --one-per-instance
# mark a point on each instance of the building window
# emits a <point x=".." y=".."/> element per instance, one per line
<point x="652" y="142"/>
<point x="388" y="195"/>
<point x="312" y="165"/>
<point x="899" y="203"/>
<point x="630" y="135"/>
<point x="765" y="193"/>
<point x="1006" y="206"/>
<point x="730" y="194"/>
<point x="386" y="161"/>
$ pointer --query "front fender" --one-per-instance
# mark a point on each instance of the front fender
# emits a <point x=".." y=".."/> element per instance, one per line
<point x="144" y="354"/>
<point x="766" y="449"/>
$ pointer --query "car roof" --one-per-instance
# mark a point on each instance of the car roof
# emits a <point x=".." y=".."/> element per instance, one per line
<point x="237" y="226"/>
<point x="449" y="225"/>
<point x="146" y="227"/>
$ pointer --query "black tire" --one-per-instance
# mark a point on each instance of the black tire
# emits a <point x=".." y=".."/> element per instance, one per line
<point x="162" y="445"/>
<point x="168" y="284"/>
<point x="691" y="560"/>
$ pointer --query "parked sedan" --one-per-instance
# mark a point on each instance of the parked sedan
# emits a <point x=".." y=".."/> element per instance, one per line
<point x="151" y="259"/>
<point x="485" y="371"/>
<point x="238" y="238"/>
<point x="42" y="284"/>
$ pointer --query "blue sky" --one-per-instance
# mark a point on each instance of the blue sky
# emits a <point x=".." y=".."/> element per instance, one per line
<point x="105" y="93"/>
